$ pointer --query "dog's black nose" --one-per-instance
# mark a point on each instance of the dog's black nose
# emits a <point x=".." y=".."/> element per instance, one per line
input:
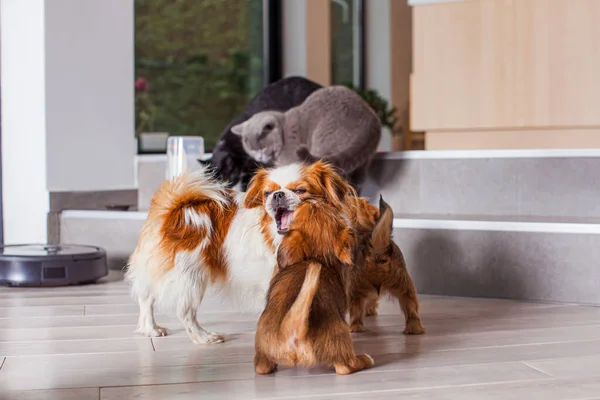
<point x="278" y="195"/>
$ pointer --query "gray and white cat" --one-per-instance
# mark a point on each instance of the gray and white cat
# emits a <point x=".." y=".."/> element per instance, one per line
<point x="333" y="124"/>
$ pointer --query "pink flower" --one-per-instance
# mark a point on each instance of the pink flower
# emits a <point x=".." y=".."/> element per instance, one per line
<point x="141" y="85"/>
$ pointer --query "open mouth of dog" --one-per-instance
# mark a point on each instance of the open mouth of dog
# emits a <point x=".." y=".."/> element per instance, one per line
<point x="283" y="219"/>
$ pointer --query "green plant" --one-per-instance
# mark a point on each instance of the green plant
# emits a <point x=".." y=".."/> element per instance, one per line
<point x="144" y="108"/>
<point x="199" y="96"/>
<point x="387" y="115"/>
<point x="203" y="59"/>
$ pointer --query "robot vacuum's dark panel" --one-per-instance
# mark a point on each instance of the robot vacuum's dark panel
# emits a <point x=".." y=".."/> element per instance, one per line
<point x="51" y="265"/>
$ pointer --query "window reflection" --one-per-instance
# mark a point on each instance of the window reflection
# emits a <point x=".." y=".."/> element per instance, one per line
<point x="197" y="64"/>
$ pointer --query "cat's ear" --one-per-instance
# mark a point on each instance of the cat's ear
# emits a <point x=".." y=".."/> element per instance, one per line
<point x="304" y="155"/>
<point x="255" y="196"/>
<point x="238" y="129"/>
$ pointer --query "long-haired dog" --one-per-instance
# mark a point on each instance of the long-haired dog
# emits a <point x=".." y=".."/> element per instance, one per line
<point x="198" y="233"/>
<point x="303" y="323"/>
<point x="380" y="269"/>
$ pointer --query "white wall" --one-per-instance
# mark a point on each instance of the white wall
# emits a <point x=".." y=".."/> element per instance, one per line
<point x="90" y="97"/>
<point x="25" y="195"/>
<point x="67" y="104"/>
<point x="294" y="37"/>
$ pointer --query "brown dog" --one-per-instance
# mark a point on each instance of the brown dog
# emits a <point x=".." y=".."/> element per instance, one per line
<point x="303" y="322"/>
<point x="380" y="268"/>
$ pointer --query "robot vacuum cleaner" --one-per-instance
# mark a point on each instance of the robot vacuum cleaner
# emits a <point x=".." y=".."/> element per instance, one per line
<point x="51" y="265"/>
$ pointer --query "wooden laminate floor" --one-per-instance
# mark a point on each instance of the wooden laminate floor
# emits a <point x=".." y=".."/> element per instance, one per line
<point x="78" y="343"/>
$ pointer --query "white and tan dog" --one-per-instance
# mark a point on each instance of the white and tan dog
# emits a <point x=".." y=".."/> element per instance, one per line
<point x="199" y="233"/>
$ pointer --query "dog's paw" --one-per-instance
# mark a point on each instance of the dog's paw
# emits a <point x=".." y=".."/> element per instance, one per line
<point x="414" y="327"/>
<point x="371" y="311"/>
<point x="357" y="327"/>
<point x="214" y="338"/>
<point x="265" y="368"/>
<point x="366" y="360"/>
<point x="156" y="331"/>
<point x="206" y="337"/>
<point x="361" y="362"/>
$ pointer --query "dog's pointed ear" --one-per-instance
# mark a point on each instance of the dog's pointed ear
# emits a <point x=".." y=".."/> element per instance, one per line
<point x="238" y="129"/>
<point x="381" y="237"/>
<point x="255" y="196"/>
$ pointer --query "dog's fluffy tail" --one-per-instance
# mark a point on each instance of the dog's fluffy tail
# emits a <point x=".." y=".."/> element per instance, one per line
<point x="186" y="203"/>
<point x="295" y="322"/>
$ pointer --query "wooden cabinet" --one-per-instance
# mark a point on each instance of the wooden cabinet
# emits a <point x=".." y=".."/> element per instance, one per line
<point x="506" y="64"/>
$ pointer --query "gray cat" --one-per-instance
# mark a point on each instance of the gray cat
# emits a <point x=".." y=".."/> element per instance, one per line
<point x="333" y="124"/>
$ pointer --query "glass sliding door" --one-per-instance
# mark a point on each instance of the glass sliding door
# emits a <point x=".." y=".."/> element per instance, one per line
<point x="197" y="63"/>
<point x="347" y="42"/>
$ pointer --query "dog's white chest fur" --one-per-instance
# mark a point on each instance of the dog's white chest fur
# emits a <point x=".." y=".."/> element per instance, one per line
<point x="250" y="260"/>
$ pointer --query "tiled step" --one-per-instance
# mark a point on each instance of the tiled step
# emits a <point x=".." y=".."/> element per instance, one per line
<point x="150" y="173"/>
<point x="522" y="183"/>
<point x="552" y="260"/>
<point x="528" y="258"/>
<point x="115" y="231"/>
